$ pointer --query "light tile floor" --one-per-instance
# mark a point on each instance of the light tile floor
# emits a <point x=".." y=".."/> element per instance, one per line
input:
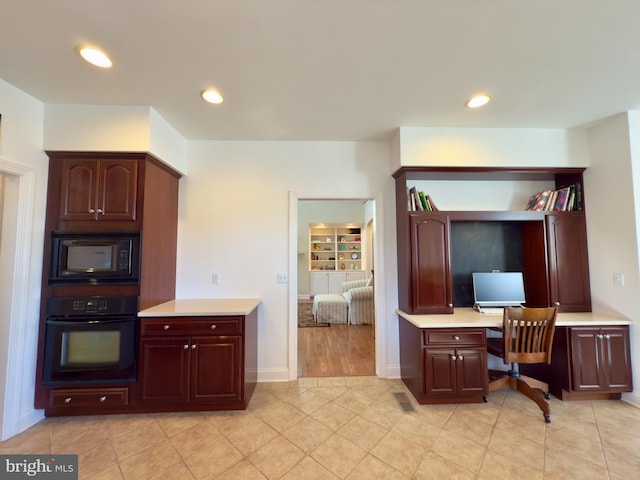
<point x="351" y="428"/>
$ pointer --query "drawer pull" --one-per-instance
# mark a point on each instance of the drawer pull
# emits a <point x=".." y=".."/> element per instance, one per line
<point x="186" y="347"/>
<point x="456" y="338"/>
<point x="607" y="336"/>
<point x="193" y="347"/>
<point x="460" y="357"/>
<point x="166" y="327"/>
<point x="103" y="398"/>
<point x="67" y="400"/>
<point x="453" y="357"/>
<point x="214" y="326"/>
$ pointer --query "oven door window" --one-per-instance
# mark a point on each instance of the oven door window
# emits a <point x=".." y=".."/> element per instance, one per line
<point x="90" y="348"/>
<point x="86" y="350"/>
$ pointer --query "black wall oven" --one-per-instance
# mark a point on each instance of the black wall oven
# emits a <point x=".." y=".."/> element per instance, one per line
<point x="90" y="340"/>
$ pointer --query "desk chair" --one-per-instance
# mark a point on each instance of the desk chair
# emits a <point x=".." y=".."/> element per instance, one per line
<point x="527" y="336"/>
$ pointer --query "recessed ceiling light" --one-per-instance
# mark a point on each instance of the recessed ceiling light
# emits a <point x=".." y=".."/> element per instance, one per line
<point x="212" y="96"/>
<point x="478" y="101"/>
<point x="95" y="57"/>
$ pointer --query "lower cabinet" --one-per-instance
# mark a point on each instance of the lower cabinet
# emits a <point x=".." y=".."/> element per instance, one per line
<point x="193" y="363"/>
<point x="444" y="365"/>
<point x="331" y="282"/>
<point x="591" y="362"/>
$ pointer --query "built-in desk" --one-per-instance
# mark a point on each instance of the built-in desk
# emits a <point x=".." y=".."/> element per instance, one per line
<point x="443" y="358"/>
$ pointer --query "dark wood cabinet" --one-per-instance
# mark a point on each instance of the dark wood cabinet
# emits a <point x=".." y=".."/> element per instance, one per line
<point x="600" y="359"/>
<point x="431" y="284"/>
<point x="568" y="262"/>
<point x="444" y="365"/>
<point x="550" y="248"/>
<point x="192" y="363"/>
<point x="98" y="190"/>
<point x="588" y="363"/>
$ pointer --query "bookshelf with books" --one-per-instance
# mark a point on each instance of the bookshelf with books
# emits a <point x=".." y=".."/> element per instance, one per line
<point x="546" y="238"/>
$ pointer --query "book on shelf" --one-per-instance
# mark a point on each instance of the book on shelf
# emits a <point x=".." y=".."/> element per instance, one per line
<point x="417" y="201"/>
<point x="565" y="199"/>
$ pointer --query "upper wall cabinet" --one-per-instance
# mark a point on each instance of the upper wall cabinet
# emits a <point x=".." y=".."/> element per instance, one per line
<point x="98" y="190"/>
<point x="439" y="250"/>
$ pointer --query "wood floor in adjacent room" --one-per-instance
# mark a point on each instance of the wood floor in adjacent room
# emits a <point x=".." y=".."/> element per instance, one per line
<point x="340" y="350"/>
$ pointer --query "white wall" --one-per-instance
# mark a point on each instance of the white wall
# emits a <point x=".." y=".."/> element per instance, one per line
<point x="234" y="220"/>
<point x="496" y="147"/>
<point x="21" y="157"/>
<point x="610" y="196"/>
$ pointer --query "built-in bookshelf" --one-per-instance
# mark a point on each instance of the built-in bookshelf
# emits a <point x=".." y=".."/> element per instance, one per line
<point x="335" y="247"/>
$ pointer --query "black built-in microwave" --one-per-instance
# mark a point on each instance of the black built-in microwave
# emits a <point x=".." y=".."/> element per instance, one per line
<point x="93" y="258"/>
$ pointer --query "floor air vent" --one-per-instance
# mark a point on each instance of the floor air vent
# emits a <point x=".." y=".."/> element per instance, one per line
<point x="404" y="402"/>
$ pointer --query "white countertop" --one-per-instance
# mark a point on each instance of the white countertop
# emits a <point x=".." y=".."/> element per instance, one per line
<point x="203" y="307"/>
<point x="468" y="317"/>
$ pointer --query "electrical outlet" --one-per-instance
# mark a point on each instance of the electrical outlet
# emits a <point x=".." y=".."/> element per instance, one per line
<point x="215" y="278"/>
<point x="283" y="277"/>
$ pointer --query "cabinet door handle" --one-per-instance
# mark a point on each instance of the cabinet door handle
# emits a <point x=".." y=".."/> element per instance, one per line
<point x="451" y="305"/>
<point x="100" y="211"/>
<point x="456" y="338"/>
<point x="67" y="400"/>
<point x="186" y="347"/>
<point x="91" y="210"/>
<point x="460" y="357"/>
<point x="557" y="304"/>
<point x="214" y="326"/>
<point x="599" y="335"/>
<point x="103" y="398"/>
<point x="453" y="357"/>
<point x="607" y="336"/>
<point x="193" y="347"/>
<point x="166" y="327"/>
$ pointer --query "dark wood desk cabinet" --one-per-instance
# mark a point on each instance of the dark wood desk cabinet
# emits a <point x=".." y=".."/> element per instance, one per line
<point x="197" y="363"/>
<point x="444" y="365"/>
<point x="589" y="362"/>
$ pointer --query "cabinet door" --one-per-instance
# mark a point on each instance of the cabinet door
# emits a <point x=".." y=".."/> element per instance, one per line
<point x="99" y="189"/>
<point x="431" y="286"/>
<point x="568" y="262"/>
<point x="471" y="371"/>
<point x="585" y="359"/>
<point x="164" y="375"/>
<point x="616" y="359"/>
<point x="79" y="189"/>
<point x="439" y="372"/>
<point x="216" y="369"/>
<point x="336" y="279"/>
<point x="118" y="190"/>
<point x="318" y="283"/>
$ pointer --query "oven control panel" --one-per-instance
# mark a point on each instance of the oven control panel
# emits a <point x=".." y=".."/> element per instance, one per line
<point x="64" y="306"/>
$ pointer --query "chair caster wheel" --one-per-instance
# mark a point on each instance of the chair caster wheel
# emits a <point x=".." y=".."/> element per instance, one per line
<point x="485" y="399"/>
<point x="547" y="419"/>
<point x="547" y="396"/>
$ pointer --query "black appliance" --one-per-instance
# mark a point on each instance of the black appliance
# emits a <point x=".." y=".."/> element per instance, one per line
<point x="90" y="339"/>
<point x="93" y="258"/>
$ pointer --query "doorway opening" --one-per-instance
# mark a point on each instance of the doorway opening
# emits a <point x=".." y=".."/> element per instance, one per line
<point x="339" y="347"/>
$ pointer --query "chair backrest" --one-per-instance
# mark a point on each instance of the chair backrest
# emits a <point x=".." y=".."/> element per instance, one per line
<point x="528" y="334"/>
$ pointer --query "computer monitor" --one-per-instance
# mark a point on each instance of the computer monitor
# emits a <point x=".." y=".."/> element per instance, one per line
<point x="498" y="289"/>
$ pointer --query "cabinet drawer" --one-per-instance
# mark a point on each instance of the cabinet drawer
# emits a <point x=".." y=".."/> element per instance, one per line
<point x="474" y="338"/>
<point x="191" y="326"/>
<point x="89" y="397"/>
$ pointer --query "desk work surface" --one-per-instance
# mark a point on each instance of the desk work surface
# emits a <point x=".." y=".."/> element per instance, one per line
<point x="468" y="317"/>
<point x="202" y="307"/>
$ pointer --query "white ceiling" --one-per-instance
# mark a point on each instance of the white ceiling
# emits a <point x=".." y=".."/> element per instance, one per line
<point x="331" y="69"/>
